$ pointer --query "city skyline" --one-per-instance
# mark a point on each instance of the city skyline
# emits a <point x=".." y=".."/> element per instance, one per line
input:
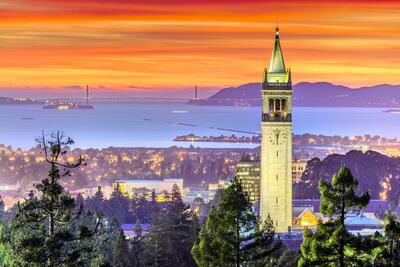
<point x="150" y="45"/>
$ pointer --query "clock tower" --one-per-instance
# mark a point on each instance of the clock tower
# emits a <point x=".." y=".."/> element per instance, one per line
<point x="276" y="142"/>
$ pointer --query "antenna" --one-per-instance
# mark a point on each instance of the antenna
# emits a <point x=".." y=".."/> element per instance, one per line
<point x="87" y="95"/>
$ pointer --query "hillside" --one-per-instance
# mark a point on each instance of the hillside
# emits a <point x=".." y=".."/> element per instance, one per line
<point x="371" y="169"/>
<point x="321" y="94"/>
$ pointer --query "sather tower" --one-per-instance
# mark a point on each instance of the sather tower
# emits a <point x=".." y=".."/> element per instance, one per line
<point x="276" y="144"/>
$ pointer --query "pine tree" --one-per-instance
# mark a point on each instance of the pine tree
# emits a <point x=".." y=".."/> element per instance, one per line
<point x="6" y="255"/>
<point x="388" y="253"/>
<point x="118" y="206"/>
<point x="205" y="251"/>
<point x="156" y="246"/>
<point x="104" y="244"/>
<point x="232" y="235"/>
<point x="171" y="234"/>
<point x="2" y="210"/>
<point x="42" y="231"/>
<point x="137" y="246"/>
<point x="121" y="251"/>
<point x="332" y="245"/>
<point x="96" y="203"/>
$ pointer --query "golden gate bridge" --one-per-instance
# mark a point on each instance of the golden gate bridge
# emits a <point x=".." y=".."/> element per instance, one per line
<point x="173" y="96"/>
<point x="168" y="97"/>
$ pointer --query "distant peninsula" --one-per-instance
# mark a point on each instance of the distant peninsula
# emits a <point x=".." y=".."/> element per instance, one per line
<point x="18" y="101"/>
<point x="307" y="94"/>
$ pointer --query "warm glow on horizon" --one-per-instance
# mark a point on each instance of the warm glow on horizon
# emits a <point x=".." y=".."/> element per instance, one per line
<point x="164" y="44"/>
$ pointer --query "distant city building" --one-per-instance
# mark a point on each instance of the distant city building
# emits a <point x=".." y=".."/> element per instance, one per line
<point x="248" y="173"/>
<point x="206" y="195"/>
<point x="298" y="167"/>
<point x="276" y="142"/>
<point x="217" y="186"/>
<point x="10" y="187"/>
<point x="162" y="188"/>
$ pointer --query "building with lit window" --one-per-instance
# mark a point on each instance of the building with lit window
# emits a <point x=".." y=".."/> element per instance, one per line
<point x="162" y="188"/>
<point x="248" y="173"/>
<point x="298" y="167"/>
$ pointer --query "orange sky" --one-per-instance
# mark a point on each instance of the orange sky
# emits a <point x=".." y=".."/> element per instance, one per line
<point x="179" y="43"/>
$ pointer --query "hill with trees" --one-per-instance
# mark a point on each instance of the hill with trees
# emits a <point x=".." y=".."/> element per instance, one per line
<point x="376" y="173"/>
<point x="318" y="94"/>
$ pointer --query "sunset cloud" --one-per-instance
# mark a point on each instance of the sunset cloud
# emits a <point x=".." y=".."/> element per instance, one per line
<point x="181" y="43"/>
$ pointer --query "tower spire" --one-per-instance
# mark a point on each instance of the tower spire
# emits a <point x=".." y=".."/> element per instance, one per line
<point x="277" y="64"/>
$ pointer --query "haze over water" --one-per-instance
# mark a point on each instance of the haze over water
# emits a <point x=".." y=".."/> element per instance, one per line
<point x="157" y="124"/>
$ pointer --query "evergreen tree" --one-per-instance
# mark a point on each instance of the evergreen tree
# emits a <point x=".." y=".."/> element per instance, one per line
<point x="118" y="206"/>
<point x="42" y="232"/>
<point x="205" y="251"/>
<point x="171" y="234"/>
<point x="332" y="245"/>
<point x="104" y="244"/>
<point x="232" y="234"/>
<point x="137" y="246"/>
<point x="6" y="255"/>
<point x="96" y="203"/>
<point x="388" y="254"/>
<point x="156" y="247"/>
<point x="2" y="211"/>
<point x="121" y="251"/>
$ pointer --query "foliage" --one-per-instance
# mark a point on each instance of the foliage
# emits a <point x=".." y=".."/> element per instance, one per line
<point x="332" y="245"/>
<point x="172" y="234"/>
<point x="232" y="234"/>
<point x="121" y="251"/>
<point x="388" y="253"/>
<point x="43" y="231"/>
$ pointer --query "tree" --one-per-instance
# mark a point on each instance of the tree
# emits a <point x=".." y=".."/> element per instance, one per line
<point x="332" y="245"/>
<point x="42" y="231"/>
<point x="171" y="235"/>
<point x="96" y="203"/>
<point x="6" y="255"/>
<point x="156" y="247"/>
<point x="118" y="206"/>
<point x="104" y="244"/>
<point x="205" y="251"/>
<point x="121" y="251"/>
<point x="137" y="245"/>
<point x="388" y="254"/>
<point x="2" y="211"/>
<point x="232" y="235"/>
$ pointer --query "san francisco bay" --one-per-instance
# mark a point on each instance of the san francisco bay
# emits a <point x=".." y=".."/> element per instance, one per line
<point x="157" y="124"/>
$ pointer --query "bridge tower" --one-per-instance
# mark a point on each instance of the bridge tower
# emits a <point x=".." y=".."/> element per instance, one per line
<point x="87" y="95"/>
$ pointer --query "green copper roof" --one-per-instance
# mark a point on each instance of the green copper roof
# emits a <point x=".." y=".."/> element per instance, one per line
<point x="277" y="63"/>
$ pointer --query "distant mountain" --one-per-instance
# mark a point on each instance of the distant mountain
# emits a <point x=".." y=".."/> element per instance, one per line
<point x="321" y="94"/>
<point x="371" y="169"/>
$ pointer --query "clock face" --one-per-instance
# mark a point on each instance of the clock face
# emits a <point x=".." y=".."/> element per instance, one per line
<point x="277" y="137"/>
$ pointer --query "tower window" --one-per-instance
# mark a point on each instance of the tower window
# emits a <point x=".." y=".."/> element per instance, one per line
<point x="278" y="104"/>
<point x="271" y="105"/>
<point x="276" y="200"/>
<point x="284" y="104"/>
<point x="277" y="154"/>
<point x="276" y="177"/>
